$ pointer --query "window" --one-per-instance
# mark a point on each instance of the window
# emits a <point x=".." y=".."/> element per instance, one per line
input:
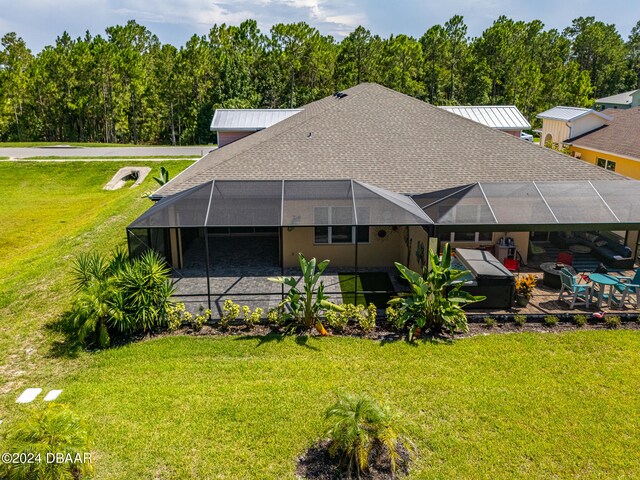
<point x="339" y="233"/>
<point x="608" y="164"/>
<point x="476" y="237"/>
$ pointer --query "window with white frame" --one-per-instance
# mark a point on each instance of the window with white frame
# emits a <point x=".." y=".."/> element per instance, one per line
<point x="336" y="234"/>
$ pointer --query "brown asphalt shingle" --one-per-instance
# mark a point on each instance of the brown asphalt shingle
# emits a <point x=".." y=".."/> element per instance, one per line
<point x="620" y="136"/>
<point x="387" y="139"/>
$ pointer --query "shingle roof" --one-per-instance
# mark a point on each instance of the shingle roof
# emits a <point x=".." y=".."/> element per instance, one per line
<point x="621" y="136"/>
<point x="620" y="99"/>
<point x="387" y="139"/>
<point x="569" y="113"/>
<point x="503" y="117"/>
<point x="249" y="118"/>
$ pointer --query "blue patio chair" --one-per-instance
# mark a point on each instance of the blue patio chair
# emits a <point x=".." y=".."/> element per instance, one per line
<point x="578" y="292"/>
<point x="628" y="287"/>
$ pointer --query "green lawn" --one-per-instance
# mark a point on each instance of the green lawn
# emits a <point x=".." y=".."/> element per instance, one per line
<point x="77" y="144"/>
<point x="50" y="213"/>
<point x="496" y="406"/>
<point x="500" y="406"/>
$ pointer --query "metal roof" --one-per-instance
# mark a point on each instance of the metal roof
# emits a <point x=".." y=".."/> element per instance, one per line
<point x="248" y="119"/>
<point x="502" y="117"/>
<point x="619" y="99"/>
<point x="570" y="113"/>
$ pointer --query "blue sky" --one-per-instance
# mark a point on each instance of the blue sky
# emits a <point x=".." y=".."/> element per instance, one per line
<point x="174" y="21"/>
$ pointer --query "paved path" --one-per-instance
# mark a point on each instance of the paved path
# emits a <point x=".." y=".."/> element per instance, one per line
<point x="91" y="152"/>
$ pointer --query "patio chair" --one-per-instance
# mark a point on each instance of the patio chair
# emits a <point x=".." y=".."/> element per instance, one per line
<point x="628" y="287"/>
<point x="578" y="292"/>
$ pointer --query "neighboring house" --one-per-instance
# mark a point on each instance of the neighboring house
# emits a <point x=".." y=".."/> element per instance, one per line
<point x="233" y="124"/>
<point x="506" y="118"/>
<point x="615" y="145"/>
<point x="561" y="123"/>
<point x="369" y="177"/>
<point x="622" y="100"/>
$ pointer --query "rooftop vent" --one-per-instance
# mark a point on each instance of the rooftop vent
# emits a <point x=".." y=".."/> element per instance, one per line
<point x="339" y="94"/>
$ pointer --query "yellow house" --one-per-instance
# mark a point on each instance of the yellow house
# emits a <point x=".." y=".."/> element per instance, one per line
<point x="614" y="146"/>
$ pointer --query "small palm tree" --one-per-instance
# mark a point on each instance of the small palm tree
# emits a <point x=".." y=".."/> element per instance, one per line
<point x="360" y="429"/>
<point x="52" y="430"/>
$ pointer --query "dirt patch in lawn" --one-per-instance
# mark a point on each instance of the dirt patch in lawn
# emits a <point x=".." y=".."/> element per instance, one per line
<point x="317" y="464"/>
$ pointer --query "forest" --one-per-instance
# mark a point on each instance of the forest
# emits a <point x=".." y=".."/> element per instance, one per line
<point x="128" y="87"/>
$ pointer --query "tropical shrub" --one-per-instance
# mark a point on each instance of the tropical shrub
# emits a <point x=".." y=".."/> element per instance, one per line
<point x="551" y="320"/>
<point x="367" y="318"/>
<point x="360" y="429"/>
<point x="435" y="301"/>
<point x="338" y="321"/>
<point x="252" y="317"/>
<point x="305" y="306"/>
<point x="118" y="295"/>
<point x="48" y="431"/>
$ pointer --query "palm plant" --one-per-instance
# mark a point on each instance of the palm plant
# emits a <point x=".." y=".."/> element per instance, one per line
<point x="361" y="429"/>
<point x="118" y="295"/>
<point x="164" y="177"/>
<point x="52" y="430"/>
<point x="306" y="305"/>
<point x="435" y="301"/>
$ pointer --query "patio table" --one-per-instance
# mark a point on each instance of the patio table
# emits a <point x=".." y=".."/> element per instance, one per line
<point x="604" y="280"/>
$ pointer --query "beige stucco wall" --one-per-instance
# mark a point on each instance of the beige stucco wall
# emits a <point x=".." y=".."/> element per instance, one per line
<point x="557" y="128"/>
<point x="225" y="138"/>
<point x="379" y="252"/>
<point x="586" y="124"/>
<point x="417" y="237"/>
<point x="562" y="130"/>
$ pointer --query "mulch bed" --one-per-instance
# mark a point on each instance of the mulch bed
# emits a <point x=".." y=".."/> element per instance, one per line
<point x="316" y="464"/>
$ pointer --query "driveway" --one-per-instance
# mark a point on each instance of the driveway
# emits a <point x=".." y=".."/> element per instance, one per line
<point x="90" y="152"/>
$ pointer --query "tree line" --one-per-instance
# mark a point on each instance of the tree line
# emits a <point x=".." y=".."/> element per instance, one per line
<point x="128" y="87"/>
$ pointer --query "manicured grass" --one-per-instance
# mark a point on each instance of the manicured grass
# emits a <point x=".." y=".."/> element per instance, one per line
<point x="366" y="281"/>
<point x="50" y="213"/>
<point x="78" y="144"/>
<point x="93" y="159"/>
<point x="500" y="406"/>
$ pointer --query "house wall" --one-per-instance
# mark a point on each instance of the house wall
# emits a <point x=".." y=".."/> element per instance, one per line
<point x="515" y="133"/>
<point x="379" y="252"/>
<point x="225" y="138"/>
<point x="585" y="124"/>
<point x="521" y="240"/>
<point x="557" y="128"/>
<point x="624" y="166"/>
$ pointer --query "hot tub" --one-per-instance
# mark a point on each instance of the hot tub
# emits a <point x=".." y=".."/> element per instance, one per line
<point x="487" y="276"/>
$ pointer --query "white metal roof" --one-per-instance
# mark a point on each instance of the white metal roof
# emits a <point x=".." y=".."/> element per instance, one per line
<point x="503" y="117"/>
<point x="248" y="119"/>
<point x="620" y="99"/>
<point x="570" y="113"/>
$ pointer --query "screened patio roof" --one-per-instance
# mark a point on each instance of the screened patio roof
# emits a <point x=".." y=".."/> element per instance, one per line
<point x="283" y="203"/>
<point x="536" y="204"/>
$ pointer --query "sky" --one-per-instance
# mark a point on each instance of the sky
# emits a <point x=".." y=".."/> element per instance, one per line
<point x="39" y="22"/>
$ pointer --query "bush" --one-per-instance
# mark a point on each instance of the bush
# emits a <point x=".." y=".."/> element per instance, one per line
<point x="177" y="315"/>
<point x="435" y="301"/>
<point x="360" y="429"/>
<point x="252" y="317"/>
<point x="337" y="320"/>
<point x="117" y="295"/>
<point x="520" y="320"/>
<point x="52" y="430"/>
<point x="580" y="320"/>
<point x="367" y="318"/>
<point x="613" y="321"/>
<point x="490" y="322"/>
<point x="230" y="313"/>
<point x="551" y="321"/>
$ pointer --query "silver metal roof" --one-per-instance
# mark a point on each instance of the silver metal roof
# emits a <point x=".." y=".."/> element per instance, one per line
<point x="619" y="99"/>
<point x="248" y="119"/>
<point x="570" y="113"/>
<point x="503" y="117"/>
